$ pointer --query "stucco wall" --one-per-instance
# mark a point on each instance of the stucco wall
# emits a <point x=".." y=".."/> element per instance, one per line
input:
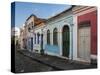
<point x="37" y="46"/>
<point x="59" y="23"/>
<point x="92" y="17"/>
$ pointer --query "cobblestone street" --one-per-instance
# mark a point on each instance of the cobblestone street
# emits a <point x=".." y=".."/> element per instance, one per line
<point x="25" y="64"/>
<point x="31" y="62"/>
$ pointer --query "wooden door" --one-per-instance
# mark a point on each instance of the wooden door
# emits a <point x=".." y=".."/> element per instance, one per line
<point x="84" y="43"/>
<point x="31" y="43"/>
<point x="66" y="41"/>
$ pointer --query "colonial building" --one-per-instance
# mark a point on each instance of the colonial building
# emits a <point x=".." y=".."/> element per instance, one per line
<point x="22" y="45"/>
<point x="71" y="34"/>
<point x="58" y="35"/>
<point x="85" y="20"/>
<point x="38" y="37"/>
<point x="29" y="24"/>
<point x="32" y="36"/>
<point x="15" y="35"/>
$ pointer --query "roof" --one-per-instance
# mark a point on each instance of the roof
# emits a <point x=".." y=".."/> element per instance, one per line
<point x="32" y="15"/>
<point x="39" y="20"/>
<point x="61" y="12"/>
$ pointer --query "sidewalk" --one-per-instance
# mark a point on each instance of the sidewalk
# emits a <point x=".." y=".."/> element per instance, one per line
<point x="56" y="62"/>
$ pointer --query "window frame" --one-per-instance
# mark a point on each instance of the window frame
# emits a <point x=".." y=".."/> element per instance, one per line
<point x="48" y="36"/>
<point x="55" y="36"/>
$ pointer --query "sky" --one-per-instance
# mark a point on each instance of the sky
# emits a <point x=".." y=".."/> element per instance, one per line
<point x="24" y="9"/>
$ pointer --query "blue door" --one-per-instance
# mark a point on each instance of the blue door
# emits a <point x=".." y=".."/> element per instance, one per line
<point x="31" y="43"/>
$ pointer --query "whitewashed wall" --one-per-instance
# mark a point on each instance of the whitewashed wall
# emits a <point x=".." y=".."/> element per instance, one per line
<point x="37" y="47"/>
<point x="59" y="23"/>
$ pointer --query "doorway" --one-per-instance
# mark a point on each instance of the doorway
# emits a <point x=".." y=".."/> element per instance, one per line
<point x="65" y="41"/>
<point x="31" y="44"/>
<point x="84" y="43"/>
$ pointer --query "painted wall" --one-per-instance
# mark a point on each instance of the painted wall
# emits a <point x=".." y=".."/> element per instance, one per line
<point x="52" y="49"/>
<point x="75" y="29"/>
<point x="37" y="47"/>
<point x="28" y="44"/>
<point x="92" y="17"/>
<point x="59" y="23"/>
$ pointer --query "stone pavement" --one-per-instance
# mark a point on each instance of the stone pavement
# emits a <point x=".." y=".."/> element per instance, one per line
<point x="24" y="64"/>
<point x="56" y="62"/>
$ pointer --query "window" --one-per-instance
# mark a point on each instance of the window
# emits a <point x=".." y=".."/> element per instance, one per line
<point x="55" y="41"/>
<point x="32" y="25"/>
<point x="48" y="36"/>
<point x="35" y="39"/>
<point x="29" y="29"/>
<point x="38" y="35"/>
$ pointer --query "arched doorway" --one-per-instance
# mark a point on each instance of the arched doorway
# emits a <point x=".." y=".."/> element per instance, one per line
<point x="65" y="41"/>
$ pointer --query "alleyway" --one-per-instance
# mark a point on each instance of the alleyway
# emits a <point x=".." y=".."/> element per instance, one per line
<point x="25" y="64"/>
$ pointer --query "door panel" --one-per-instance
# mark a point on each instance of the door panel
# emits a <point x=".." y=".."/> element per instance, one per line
<point x="84" y="43"/>
<point x="66" y="41"/>
<point x="31" y="43"/>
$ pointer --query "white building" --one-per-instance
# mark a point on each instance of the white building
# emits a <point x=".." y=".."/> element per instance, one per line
<point x="38" y="38"/>
<point x="22" y="37"/>
<point x="15" y="31"/>
<point x="33" y="27"/>
<point x="15" y="35"/>
<point x="58" y="35"/>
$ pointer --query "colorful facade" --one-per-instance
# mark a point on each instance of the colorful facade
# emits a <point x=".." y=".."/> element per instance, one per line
<point x="58" y="35"/>
<point x="71" y="34"/>
<point x="86" y="20"/>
